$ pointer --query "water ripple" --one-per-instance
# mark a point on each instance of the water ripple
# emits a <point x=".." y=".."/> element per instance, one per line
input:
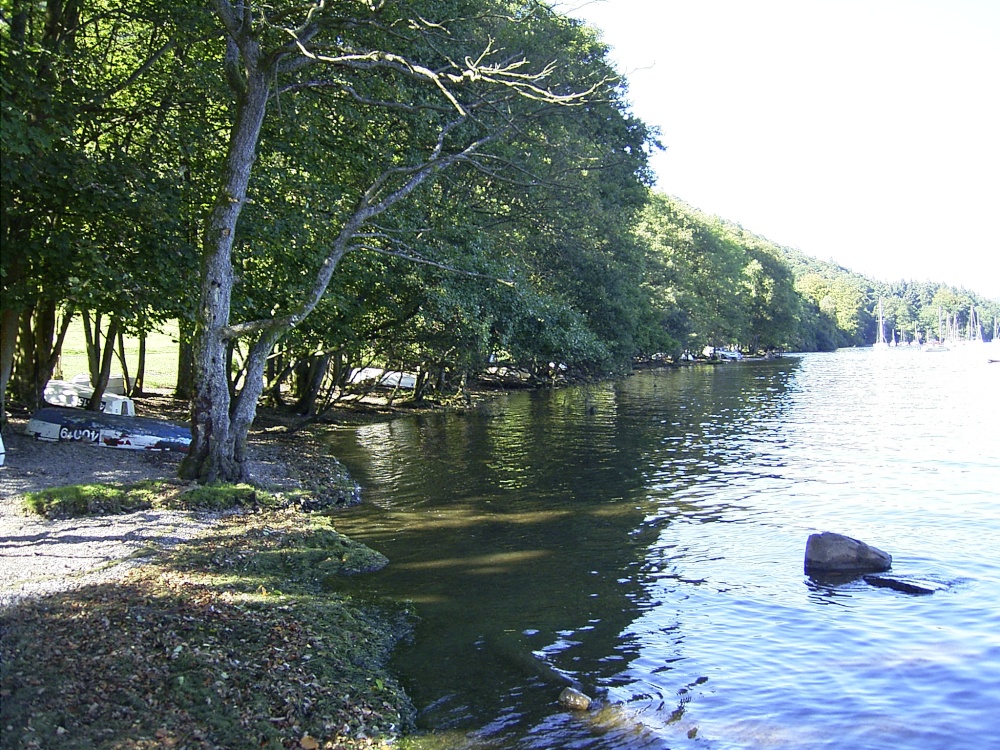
<point x="646" y="539"/>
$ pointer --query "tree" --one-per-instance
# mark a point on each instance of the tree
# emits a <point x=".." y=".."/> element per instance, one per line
<point x="560" y="231"/>
<point x="92" y="210"/>
<point x="453" y="88"/>
<point x="772" y="303"/>
<point x="818" y="328"/>
<point x="696" y="272"/>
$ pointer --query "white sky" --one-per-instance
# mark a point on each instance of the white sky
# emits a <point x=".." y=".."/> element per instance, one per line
<point x="861" y="131"/>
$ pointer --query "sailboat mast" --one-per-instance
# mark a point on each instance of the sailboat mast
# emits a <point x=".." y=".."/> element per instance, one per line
<point x="880" y="342"/>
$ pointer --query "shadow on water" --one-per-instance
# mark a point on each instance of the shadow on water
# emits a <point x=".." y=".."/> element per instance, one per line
<point x="522" y="536"/>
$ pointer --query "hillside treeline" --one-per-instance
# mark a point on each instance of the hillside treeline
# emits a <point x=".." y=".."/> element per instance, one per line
<point x="741" y="289"/>
<point x="470" y="169"/>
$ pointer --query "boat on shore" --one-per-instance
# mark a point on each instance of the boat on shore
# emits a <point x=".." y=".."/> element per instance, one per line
<point x="383" y="378"/>
<point x="78" y="392"/>
<point x="722" y="354"/>
<point x="60" y="424"/>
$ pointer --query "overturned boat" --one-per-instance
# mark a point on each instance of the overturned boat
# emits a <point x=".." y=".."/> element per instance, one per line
<point x="78" y="392"/>
<point x="59" y="424"/>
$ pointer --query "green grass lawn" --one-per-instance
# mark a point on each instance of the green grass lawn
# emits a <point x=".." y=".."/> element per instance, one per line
<point x="161" y="356"/>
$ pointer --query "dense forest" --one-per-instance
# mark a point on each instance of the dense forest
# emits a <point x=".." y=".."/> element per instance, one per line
<point x="445" y="188"/>
<point x="727" y="286"/>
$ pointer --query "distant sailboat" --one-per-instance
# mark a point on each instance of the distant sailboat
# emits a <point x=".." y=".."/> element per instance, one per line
<point x="975" y="329"/>
<point x="937" y="345"/>
<point x="881" y="342"/>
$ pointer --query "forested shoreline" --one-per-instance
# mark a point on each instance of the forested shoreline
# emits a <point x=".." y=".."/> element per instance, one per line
<point x="437" y="188"/>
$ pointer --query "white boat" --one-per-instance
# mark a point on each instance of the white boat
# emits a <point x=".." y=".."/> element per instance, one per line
<point x="383" y="378"/>
<point x="77" y="394"/>
<point x="715" y="352"/>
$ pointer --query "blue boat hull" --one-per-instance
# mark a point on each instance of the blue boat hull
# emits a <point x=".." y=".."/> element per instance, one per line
<point x="57" y="424"/>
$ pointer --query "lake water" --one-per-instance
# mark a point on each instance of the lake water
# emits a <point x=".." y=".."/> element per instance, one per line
<point x="645" y="539"/>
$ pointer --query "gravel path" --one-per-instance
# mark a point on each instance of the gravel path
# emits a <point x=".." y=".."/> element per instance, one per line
<point x="39" y="557"/>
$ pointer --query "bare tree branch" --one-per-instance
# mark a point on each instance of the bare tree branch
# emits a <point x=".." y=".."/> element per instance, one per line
<point x="427" y="262"/>
<point x="352" y="92"/>
<point x="368" y="207"/>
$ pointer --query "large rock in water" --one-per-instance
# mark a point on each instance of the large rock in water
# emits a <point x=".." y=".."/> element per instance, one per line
<point x="836" y="554"/>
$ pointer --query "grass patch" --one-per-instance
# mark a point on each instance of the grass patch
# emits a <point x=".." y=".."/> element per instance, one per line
<point x="237" y="640"/>
<point x="279" y="556"/>
<point x="161" y="355"/>
<point x="94" y="499"/>
<point x="77" y="500"/>
<point x="224" y="497"/>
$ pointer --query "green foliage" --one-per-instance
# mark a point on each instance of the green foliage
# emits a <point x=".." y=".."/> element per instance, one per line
<point x="528" y="244"/>
<point x="715" y="283"/>
<point x="542" y="245"/>
<point x="99" y="102"/>
<point x="843" y="305"/>
<point x="92" y="203"/>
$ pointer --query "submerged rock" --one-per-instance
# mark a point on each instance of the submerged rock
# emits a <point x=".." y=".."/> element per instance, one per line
<point x="896" y="584"/>
<point x="830" y="553"/>
<point x="575" y="700"/>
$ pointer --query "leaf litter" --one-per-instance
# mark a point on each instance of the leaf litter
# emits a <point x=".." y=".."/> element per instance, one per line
<point x="239" y="639"/>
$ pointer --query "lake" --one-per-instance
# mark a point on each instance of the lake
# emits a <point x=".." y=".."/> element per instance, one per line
<point x="644" y="538"/>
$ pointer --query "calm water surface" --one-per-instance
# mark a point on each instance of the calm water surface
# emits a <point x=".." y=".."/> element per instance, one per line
<point x="645" y="539"/>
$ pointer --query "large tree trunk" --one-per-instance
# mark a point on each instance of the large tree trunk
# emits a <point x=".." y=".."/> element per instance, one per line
<point x="218" y="433"/>
<point x="8" y="341"/>
<point x="220" y="422"/>
<point x="100" y="382"/>
<point x="39" y="343"/>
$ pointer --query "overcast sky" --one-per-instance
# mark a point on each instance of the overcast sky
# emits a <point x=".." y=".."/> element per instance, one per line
<point x="861" y="131"/>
